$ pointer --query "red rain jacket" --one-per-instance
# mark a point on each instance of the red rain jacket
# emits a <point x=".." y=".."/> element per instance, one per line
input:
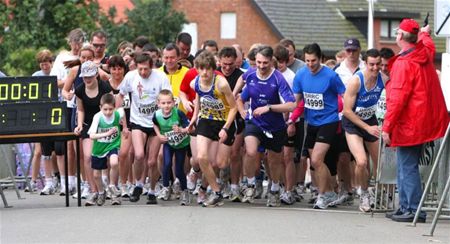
<point x="416" y="111"/>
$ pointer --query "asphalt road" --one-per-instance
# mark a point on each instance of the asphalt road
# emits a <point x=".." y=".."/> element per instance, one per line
<point x="44" y="219"/>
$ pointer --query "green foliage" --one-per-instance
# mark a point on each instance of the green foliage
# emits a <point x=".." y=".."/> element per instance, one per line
<point x="32" y="24"/>
<point x="153" y="18"/>
<point x="21" y="62"/>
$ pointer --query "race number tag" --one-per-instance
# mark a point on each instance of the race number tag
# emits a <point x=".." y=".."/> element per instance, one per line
<point x="126" y="101"/>
<point x="175" y="138"/>
<point x="107" y="139"/>
<point x="381" y="107"/>
<point x="146" y="110"/>
<point x="313" y="101"/>
<point x="366" y="113"/>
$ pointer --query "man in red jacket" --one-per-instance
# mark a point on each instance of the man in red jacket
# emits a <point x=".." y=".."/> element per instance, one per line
<point x="416" y="112"/>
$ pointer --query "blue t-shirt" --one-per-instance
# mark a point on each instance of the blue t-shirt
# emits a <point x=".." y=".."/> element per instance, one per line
<point x="260" y="93"/>
<point x="320" y="92"/>
<point x="367" y="100"/>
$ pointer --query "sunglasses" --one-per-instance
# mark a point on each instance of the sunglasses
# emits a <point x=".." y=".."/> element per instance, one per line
<point x="98" y="45"/>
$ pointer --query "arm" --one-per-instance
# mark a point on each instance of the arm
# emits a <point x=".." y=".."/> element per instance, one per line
<point x="80" y="119"/>
<point x="397" y="94"/>
<point x="188" y="105"/>
<point x="226" y="90"/>
<point x="298" y="111"/>
<point x="240" y="106"/>
<point x="350" y="96"/>
<point x="67" y="92"/>
<point x="239" y="85"/>
<point x="196" y="111"/>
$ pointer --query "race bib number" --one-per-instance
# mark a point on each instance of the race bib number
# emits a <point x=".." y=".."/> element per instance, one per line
<point x="366" y="113"/>
<point x="381" y="107"/>
<point x="313" y="101"/>
<point x="107" y="139"/>
<point x="175" y="138"/>
<point x="147" y="110"/>
<point x="126" y="101"/>
<point x="212" y="107"/>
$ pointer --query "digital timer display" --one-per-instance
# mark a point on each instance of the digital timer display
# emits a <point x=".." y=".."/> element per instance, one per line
<point x="28" y="89"/>
<point x="30" y="118"/>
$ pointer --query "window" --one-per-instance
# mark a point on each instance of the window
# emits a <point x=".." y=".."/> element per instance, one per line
<point x="387" y="30"/>
<point x="191" y="28"/>
<point x="228" y="25"/>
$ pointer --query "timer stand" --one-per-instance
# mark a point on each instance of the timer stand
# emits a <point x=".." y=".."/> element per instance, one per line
<point x="30" y="111"/>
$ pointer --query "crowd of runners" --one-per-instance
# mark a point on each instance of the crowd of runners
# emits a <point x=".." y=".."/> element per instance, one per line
<point x="163" y="124"/>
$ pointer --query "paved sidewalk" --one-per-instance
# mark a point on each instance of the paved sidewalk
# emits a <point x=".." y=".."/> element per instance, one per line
<point x="44" y="219"/>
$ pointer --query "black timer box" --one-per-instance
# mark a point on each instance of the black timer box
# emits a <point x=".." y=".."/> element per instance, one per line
<point x="30" y="105"/>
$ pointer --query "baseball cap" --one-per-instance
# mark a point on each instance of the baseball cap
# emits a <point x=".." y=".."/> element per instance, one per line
<point x="88" y="69"/>
<point x="352" y="43"/>
<point x="409" y="25"/>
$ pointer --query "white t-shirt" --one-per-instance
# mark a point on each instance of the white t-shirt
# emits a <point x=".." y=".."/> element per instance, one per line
<point x="62" y="72"/>
<point x="289" y="76"/>
<point x="144" y="95"/>
<point x="345" y="73"/>
<point x="110" y="120"/>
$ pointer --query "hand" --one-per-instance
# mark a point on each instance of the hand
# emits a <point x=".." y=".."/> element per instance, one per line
<point x="176" y="129"/>
<point x="425" y="29"/>
<point x="78" y="130"/>
<point x="291" y="130"/>
<point x="222" y="136"/>
<point x="125" y="132"/>
<point x="260" y="111"/>
<point x="188" y="105"/>
<point x="70" y="95"/>
<point x="111" y="131"/>
<point x="374" y="130"/>
<point x="386" y="138"/>
<point x="163" y="139"/>
<point x="191" y="128"/>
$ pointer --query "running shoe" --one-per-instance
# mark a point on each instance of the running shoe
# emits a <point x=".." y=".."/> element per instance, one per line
<point x="214" y="200"/>
<point x="273" y="199"/>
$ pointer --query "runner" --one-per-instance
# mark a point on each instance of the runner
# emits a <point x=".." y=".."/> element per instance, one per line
<point x="319" y="87"/>
<point x="144" y="85"/>
<point x="215" y="109"/>
<point x="360" y="123"/>
<point x="265" y="124"/>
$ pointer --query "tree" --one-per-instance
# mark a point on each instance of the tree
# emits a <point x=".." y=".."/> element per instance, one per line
<point x="41" y="24"/>
<point x="34" y="25"/>
<point x="153" y="18"/>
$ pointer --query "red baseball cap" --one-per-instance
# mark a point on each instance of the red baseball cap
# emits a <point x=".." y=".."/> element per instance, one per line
<point x="409" y="25"/>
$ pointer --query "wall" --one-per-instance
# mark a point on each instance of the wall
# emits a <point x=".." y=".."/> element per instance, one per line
<point x="251" y="27"/>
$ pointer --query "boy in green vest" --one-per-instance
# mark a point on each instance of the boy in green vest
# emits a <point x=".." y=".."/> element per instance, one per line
<point x="105" y="132"/>
<point x="170" y="125"/>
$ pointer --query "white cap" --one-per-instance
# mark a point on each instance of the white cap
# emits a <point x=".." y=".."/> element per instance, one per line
<point x="88" y="69"/>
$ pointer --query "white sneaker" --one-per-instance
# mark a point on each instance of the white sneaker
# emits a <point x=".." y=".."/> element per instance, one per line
<point x="164" y="194"/>
<point x="364" y="202"/>
<point x="273" y="199"/>
<point x="235" y="195"/>
<point x="185" y="198"/>
<point x="191" y="180"/>
<point x="62" y="191"/>
<point x="124" y="191"/>
<point x="344" y="198"/>
<point x="33" y="187"/>
<point x="249" y="194"/>
<point x="287" y="198"/>
<point x="176" y="189"/>
<point x="85" y="192"/>
<point x="48" y="190"/>
<point x="325" y="200"/>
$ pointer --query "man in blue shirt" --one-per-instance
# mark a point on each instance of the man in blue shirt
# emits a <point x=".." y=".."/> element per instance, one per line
<point x="319" y="87"/>
<point x="265" y="124"/>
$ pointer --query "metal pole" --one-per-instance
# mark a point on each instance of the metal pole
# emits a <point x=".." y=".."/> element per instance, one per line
<point x="370" y="26"/>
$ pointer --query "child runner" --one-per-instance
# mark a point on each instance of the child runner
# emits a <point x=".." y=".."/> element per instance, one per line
<point x="170" y="125"/>
<point x="105" y="133"/>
